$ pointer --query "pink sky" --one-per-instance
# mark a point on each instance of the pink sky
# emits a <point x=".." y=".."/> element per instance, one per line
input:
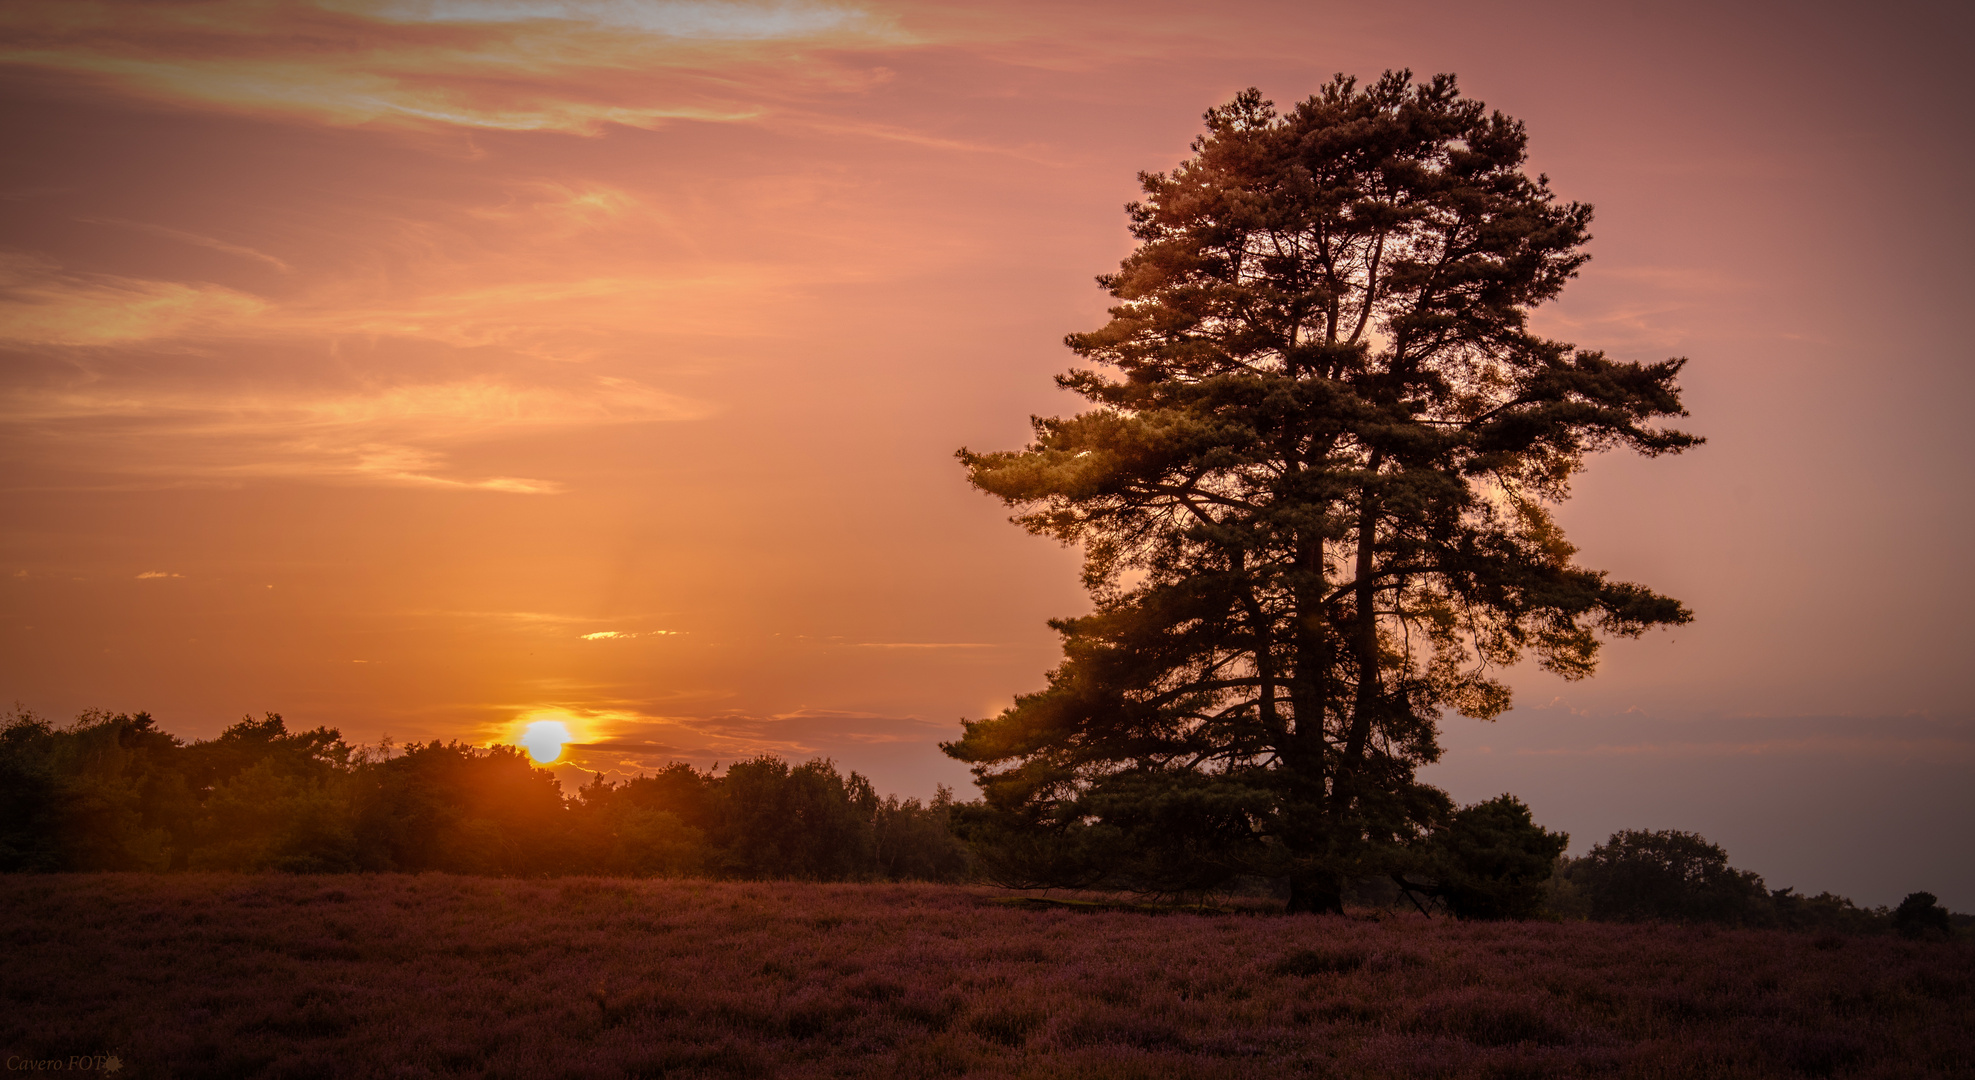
<point x="427" y="367"/>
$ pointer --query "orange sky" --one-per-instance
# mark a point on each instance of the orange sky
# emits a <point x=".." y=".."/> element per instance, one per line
<point x="430" y="366"/>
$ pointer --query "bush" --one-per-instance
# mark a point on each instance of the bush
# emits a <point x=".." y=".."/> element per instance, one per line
<point x="1919" y="916"/>
<point x="1492" y="861"/>
<point x="810" y="822"/>
<point x="92" y="795"/>
<point x="1824" y="912"/>
<point x="916" y="842"/>
<point x="1669" y="875"/>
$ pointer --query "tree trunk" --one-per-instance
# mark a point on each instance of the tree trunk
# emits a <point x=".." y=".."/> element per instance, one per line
<point x="1316" y="892"/>
<point x="1365" y="637"/>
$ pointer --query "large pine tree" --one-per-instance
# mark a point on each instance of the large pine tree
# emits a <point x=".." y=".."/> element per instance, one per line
<point x="1313" y="494"/>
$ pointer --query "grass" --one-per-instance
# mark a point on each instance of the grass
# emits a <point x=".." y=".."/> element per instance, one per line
<point x="216" y="976"/>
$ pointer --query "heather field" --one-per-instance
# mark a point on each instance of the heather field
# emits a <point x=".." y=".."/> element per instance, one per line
<point x="226" y="975"/>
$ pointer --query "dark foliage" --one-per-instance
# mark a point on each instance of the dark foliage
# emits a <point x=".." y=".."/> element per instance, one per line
<point x="1823" y="912"/>
<point x="112" y="792"/>
<point x="1919" y="916"/>
<point x="916" y="842"/>
<point x="1668" y="875"/>
<point x="1674" y="876"/>
<point x="1490" y="861"/>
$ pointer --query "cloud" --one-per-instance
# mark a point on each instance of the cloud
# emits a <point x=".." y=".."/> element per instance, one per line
<point x="623" y="741"/>
<point x="1559" y="730"/>
<point x="697" y="20"/>
<point x="1945" y="746"/>
<point x="525" y="65"/>
<point x="625" y="635"/>
<point x="388" y="435"/>
<point x="194" y="239"/>
<point x="149" y="574"/>
<point x="918" y="645"/>
<point x="190" y="380"/>
<point x="514" y="279"/>
<point x="43" y="304"/>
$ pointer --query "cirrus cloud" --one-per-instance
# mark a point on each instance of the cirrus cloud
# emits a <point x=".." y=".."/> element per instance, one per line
<point x="521" y="65"/>
<point x="389" y="435"/>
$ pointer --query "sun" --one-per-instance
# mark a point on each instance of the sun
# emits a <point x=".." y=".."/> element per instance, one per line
<point x="544" y="740"/>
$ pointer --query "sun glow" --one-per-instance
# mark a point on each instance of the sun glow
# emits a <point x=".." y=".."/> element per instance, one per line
<point x="544" y="740"/>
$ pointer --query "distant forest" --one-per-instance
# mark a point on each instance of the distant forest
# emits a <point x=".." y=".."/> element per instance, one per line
<point x="111" y="792"/>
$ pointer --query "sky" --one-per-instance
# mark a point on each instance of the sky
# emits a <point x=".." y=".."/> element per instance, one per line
<point x="427" y="368"/>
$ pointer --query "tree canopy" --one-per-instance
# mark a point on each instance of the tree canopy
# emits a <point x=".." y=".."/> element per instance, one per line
<point x="1313" y="490"/>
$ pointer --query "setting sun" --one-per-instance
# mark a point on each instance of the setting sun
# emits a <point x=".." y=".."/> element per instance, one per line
<point x="544" y="740"/>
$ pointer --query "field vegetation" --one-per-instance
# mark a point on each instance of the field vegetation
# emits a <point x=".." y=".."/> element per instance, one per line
<point x="218" y="975"/>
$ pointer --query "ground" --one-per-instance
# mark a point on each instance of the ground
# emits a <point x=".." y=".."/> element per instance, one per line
<point x="217" y="975"/>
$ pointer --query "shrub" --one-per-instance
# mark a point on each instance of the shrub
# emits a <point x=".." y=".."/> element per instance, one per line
<point x="1670" y="875"/>
<point x="1919" y="916"/>
<point x="1492" y="861"/>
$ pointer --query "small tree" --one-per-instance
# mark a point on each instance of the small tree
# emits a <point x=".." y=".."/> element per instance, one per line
<point x="807" y="821"/>
<point x="464" y="810"/>
<point x="1490" y="861"/>
<point x="99" y="793"/>
<point x="1313" y="493"/>
<point x="1919" y="915"/>
<point x="623" y="829"/>
<point x="1671" y="875"/>
<point x="272" y="799"/>
<point x="916" y="842"/>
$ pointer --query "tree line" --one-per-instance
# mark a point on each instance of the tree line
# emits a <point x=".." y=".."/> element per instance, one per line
<point x="114" y="792"/>
<point x="1673" y="876"/>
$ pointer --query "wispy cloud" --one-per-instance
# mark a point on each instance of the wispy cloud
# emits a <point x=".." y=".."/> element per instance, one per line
<point x="528" y="65"/>
<point x="195" y="239"/>
<point x="43" y="304"/>
<point x="1561" y="730"/>
<point x="626" y="635"/>
<point x="623" y="741"/>
<point x="693" y="20"/>
<point x="150" y="574"/>
<point x="918" y="645"/>
<point x="397" y="435"/>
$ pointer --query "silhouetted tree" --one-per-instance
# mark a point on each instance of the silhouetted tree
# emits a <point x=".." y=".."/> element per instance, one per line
<point x="1825" y="911"/>
<point x="112" y="792"/>
<point x="624" y="829"/>
<point x="1489" y="861"/>
<point x="1671" y="875"/>
<point x="1920" y="916"/>
<point x="447" y="806"/>
<point x="1313" y="497"/>
<point x="679" y="790"/>
<point x="270" y="800"/>
<point x="915" y="841"/>
<point x="809" y="821"/>
<point x="96" y="794"/>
